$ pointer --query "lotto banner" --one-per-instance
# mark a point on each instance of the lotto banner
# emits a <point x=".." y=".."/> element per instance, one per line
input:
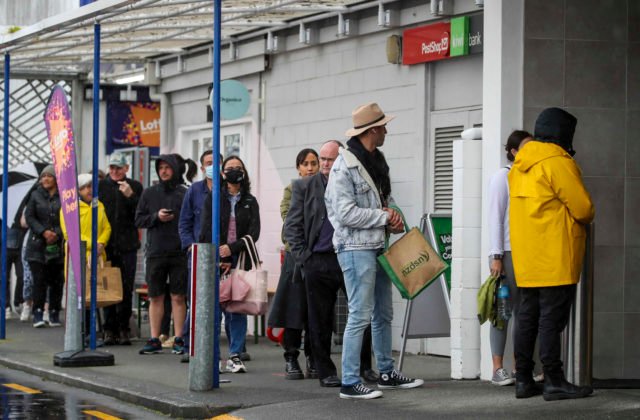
<point x="131" y="124"/>
<point x="57" y="118"/>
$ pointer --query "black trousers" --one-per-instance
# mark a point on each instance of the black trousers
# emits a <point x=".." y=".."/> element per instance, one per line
<point x="291" y="341"/>
<point x="45" y="276"/>
<point x="323" y="278"/>
<point x="116" y="317"/>
<point x="544" y="312"/>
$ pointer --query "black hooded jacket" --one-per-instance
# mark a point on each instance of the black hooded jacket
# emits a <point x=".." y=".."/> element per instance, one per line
<point x="163" y="239"/>
<point x="42" y="213"/>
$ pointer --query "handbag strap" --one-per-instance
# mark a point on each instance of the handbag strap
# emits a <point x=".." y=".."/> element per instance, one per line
<point x="252" y="251"/>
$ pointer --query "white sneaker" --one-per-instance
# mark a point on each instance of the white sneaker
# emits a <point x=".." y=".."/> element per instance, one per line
<point x="45" y="316"/>
<point x="8" y="313"/>
<point x="26" y="313"/>
<point x="235" y="365"/>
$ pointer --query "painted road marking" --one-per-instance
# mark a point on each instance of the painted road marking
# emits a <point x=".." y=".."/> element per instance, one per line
<point x="226" y="417"/>
<point x="24" y="389"/>
<point x="100" y="415"/>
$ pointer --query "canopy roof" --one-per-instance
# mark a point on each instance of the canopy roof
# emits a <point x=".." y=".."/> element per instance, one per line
<point x="134" y="31"/>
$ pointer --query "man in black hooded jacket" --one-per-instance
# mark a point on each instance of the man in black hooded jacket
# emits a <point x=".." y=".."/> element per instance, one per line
<point x="159" y="211"/>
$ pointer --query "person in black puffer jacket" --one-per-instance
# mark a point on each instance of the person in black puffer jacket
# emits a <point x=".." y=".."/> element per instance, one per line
<point x="44" y="248"/>
<point x="159" y="211"/>
<point x="239" y="216"/>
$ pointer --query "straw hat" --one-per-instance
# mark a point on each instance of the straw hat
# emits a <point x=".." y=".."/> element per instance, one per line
<point x="367" y="116"/>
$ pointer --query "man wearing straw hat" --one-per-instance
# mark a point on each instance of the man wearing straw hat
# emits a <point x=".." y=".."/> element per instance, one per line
<point x="358" y="196"/>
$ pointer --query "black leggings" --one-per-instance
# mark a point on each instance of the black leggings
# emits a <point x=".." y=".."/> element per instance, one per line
<point x="47" y="276"/>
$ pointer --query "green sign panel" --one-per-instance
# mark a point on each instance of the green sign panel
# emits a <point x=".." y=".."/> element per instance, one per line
<point x="441" y="229"/>
<point x="459" y="36"/>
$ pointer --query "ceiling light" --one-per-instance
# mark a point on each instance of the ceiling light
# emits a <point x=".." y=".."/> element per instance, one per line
<point x="130" y="79"/>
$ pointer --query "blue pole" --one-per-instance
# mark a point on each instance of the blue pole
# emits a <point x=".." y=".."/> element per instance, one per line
<point x="215" y="190"/>
<point x="5" y="196"/>
<point x="94" y="184"/>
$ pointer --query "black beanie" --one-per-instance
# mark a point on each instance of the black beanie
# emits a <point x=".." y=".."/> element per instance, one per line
<point x="555" y="125"/>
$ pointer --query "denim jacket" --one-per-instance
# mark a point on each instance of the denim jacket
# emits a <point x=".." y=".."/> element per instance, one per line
<point x="353" y="206"/>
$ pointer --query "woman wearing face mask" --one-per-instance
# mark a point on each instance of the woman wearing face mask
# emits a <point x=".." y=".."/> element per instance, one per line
<point x="239" y="216"/>
<point x="289" y="309"/>
<point x="44" y="248"/>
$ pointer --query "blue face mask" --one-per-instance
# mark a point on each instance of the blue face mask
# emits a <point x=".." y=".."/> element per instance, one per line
<point x="208" y="171"/>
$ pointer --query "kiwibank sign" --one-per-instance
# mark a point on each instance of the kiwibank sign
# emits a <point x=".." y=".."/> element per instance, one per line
<point x="440" y="41"/>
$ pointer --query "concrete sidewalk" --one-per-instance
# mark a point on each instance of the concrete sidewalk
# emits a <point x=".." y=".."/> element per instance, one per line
<point x="160" y="382"/>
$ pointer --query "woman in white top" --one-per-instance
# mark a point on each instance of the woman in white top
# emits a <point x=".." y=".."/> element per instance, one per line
<point x="500" y="256"/>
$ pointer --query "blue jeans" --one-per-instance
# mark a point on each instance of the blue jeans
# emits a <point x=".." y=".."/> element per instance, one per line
<point x="369" y="300"/>
<point x="235" y="326"/>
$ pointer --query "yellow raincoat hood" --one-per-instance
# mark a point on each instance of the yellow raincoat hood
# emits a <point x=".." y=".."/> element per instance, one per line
<point x="549" y="209"/>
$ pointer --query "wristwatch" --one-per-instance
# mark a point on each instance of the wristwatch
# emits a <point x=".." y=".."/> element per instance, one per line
<point x="496" y="256"/>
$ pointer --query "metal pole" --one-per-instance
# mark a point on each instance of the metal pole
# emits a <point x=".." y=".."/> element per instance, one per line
<point x="405" y="329"/>
<point x="202" y="366"/>
<point x="5" y="195"/>
<point x="94" y="184"/>
<point x="72" y="325"/>
<point x="215" y="190"/>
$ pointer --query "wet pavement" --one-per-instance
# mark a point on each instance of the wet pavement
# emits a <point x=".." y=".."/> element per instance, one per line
<point x="24" y="396"/>
<point x="160" y="383"/>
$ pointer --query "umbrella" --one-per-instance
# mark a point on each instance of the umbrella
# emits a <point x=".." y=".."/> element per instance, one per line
<point x="21" y="180"/>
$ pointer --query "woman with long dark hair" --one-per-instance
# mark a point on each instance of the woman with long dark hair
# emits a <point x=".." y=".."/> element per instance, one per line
<point x="239" y="216"/>
<point x="289" y="309"/>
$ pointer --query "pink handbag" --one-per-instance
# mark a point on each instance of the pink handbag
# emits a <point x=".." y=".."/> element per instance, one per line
<point x="233" y="287"/>
<point x="256" y="300"/>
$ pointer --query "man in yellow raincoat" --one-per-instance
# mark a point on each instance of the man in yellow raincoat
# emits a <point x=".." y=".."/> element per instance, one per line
<point x="550" y="207"/>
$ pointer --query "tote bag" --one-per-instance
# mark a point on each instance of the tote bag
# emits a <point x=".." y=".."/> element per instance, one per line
<point x="256" y="301"/>
<point x="411" y="263"/>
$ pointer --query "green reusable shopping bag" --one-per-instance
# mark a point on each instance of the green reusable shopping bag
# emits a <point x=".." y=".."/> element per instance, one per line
<point x="411" y="262"/>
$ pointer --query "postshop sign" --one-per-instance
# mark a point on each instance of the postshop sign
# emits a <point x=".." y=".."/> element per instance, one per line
<point x="426" y="43"/>
<point x="440" y="41"/>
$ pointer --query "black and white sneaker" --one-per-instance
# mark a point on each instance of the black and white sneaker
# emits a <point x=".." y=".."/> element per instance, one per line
<point x="396" y="379"/>
<point x="359" y="392"/>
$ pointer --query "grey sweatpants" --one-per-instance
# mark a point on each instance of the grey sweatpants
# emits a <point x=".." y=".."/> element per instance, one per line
<point x="498" y="338"/>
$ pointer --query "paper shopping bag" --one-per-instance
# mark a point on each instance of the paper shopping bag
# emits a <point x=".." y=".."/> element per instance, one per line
<point x="108" y="286"/>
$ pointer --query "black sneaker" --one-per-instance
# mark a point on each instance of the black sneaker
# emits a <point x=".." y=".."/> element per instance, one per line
<point x="178" y="346"/>
<point x="359" y="392"/>
<point x="153" y="346"/>
<point x="395" y="379"/>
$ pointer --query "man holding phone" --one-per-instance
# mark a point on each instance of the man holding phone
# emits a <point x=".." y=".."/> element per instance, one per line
<point x="159" y="211"/>
<point x="120" y="196"/>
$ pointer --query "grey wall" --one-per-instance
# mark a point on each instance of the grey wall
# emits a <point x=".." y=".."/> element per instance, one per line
<point x="28" y="12"/>
<point x="584" y="56"/>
